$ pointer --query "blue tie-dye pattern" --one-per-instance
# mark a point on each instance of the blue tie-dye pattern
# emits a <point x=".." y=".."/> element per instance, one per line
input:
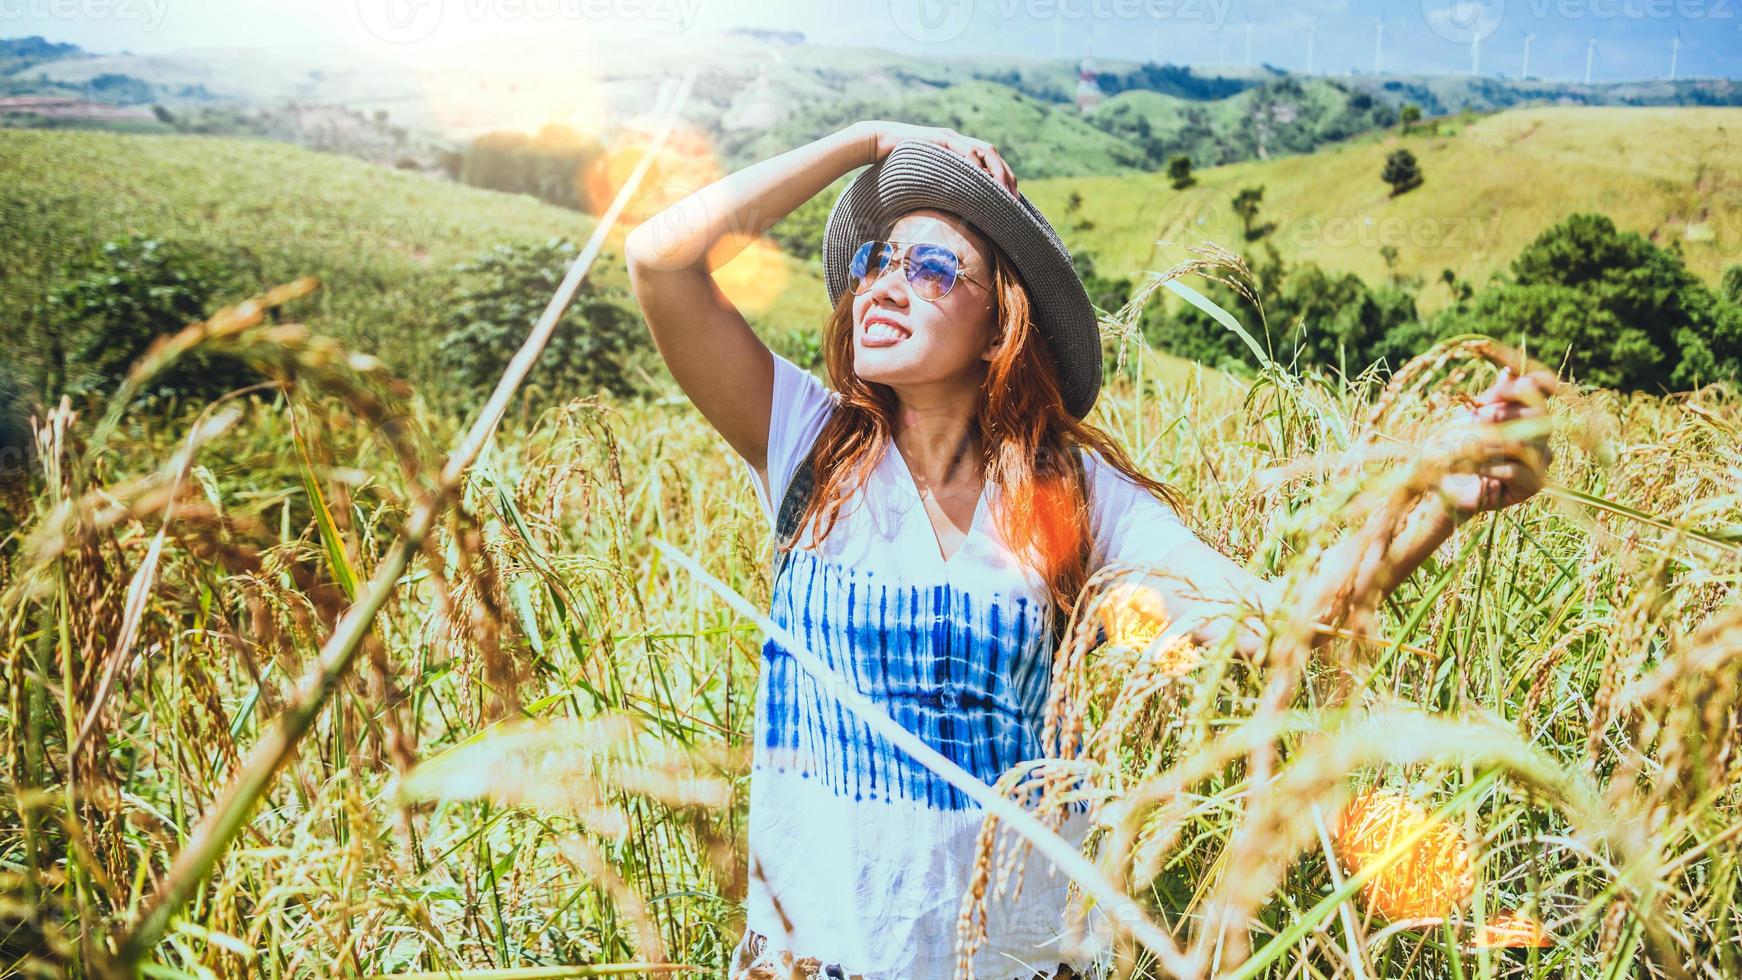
<point x="967" y="673"/>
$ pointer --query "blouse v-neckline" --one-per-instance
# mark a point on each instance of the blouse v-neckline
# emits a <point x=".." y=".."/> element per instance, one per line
<point x="925" y="516"/>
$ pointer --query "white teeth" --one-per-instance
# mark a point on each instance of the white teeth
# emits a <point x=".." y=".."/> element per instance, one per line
<point x="882" y="331"/>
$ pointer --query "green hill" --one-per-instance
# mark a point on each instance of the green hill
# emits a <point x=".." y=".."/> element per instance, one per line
<point x="1287" y="115"/>
<point x="1671" y="174"/>
<point x="383" y="242"/>
<point x="1034" y="136"/>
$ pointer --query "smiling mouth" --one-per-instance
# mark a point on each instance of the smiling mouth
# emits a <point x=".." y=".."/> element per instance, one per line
<point x="881" y="333"/>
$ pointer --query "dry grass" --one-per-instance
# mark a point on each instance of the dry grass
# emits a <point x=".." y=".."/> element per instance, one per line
<point x="539" y="761"/>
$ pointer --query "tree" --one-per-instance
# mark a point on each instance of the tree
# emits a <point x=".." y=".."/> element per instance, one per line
<point x="1616" y="309"/>
<point x="1074" y="212"/>
<point x="549" y="166"/>
<point x="1337" y="320"/>
<point x="1179" y="172"/>
<point x="596" y="345"/>
<point x="1401" y="171"/>
<point x="1246" y="205"/>
<point x="1408" y="116"/>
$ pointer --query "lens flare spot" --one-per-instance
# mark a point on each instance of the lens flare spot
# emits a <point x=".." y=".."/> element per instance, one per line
<point x="685" y="164"/>
<point x="1431" y="879"/>
<point x="1511" y="930"/>
<point x="750" y="271"/>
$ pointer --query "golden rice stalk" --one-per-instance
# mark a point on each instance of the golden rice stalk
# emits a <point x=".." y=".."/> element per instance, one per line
<point x="1434" y="877"/>
<point x="1136" y="677"/>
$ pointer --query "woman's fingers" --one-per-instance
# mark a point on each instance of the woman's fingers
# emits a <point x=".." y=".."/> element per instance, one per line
<point x="1534" y="388"/>
<point x="986" y="157"/>
<point x="983" y="155"/>
<point x="1000" y="169"/>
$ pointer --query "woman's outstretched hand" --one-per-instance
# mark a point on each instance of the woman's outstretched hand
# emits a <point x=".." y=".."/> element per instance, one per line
<point x="1513" y="469"/>
<point x="884" y="135"/>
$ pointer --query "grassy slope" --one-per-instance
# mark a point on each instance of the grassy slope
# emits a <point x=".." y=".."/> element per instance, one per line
<point x="1671" y="174"/>
<point x="383" y="242"/>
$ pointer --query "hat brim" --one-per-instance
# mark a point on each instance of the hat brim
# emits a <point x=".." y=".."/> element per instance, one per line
<point x="924" y="175"/>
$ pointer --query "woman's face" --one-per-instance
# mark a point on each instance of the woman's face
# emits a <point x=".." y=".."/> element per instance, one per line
<point x="942" y="341"/>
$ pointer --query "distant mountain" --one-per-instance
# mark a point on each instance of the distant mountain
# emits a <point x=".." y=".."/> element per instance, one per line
<point x="1444" y="94"/>
<point x="760" y="92"/>
<point x="22" y="52"/>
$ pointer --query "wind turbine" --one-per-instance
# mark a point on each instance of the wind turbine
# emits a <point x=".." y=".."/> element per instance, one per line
<point x="1312" y="38"/>
<point x="1675" y="49"/>
<point x="1524" y="70"/>
<point x="1378" y="45"/>
<point x="1590" y="57"/>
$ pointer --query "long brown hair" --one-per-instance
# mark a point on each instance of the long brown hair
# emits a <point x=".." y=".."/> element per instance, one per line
<point x="1025" y="429"/>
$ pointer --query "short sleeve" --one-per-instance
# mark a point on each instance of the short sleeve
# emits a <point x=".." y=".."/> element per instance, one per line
<point x="800" y="406"/>
<point x="1130" y="524"/>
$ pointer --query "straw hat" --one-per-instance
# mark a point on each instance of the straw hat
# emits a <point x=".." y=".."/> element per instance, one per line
<point x="918" y="174"/>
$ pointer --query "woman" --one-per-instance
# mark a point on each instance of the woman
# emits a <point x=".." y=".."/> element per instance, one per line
<point x="955" y="503"/>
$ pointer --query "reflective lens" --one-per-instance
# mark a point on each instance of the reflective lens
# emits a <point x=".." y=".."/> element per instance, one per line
<point x="868" y="264"/>
<point x="931" y="269"/>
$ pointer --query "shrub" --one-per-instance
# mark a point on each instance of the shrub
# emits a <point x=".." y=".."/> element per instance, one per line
<point x="504" y="290"/>
<point x="14" y="427"/>
<point x="802" y="346"/>
<point x="114" y="302"/>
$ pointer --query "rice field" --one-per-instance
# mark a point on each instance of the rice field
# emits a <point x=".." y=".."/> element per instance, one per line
<point x="293" y="690"/>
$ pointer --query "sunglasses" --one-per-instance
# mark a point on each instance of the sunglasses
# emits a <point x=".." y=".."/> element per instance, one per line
<point x="931" y="269"/>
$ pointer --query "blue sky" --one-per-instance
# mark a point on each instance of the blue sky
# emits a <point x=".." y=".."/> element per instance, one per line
<point x="1633" y="38"/>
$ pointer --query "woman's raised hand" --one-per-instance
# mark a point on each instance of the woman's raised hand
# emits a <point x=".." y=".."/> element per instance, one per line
<point x="1511" y="470"/>
<point x="885" y="134"/>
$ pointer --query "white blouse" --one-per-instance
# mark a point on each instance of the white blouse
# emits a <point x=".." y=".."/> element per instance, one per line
<point x="865" y="852"/>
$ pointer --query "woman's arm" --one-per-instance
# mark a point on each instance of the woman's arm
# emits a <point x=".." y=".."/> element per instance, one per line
<point x="718" y="361"/>
<point x="1209" y="595"/>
